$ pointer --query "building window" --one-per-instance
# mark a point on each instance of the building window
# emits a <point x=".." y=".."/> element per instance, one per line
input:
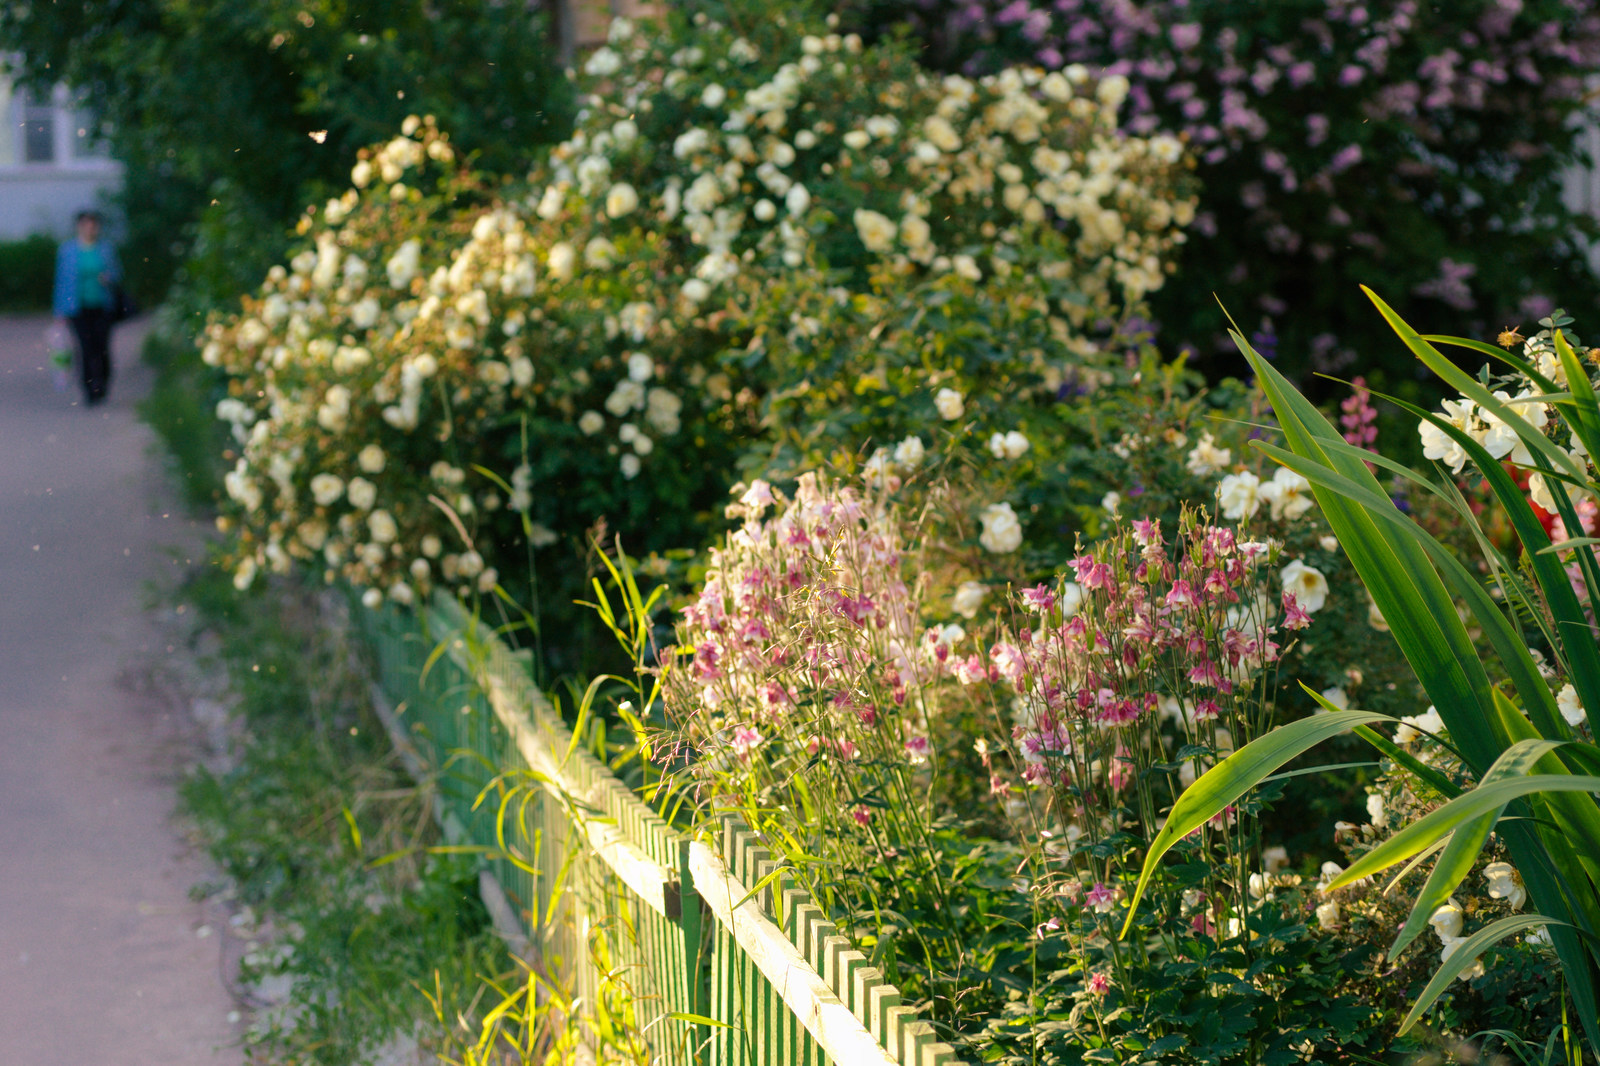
<point x="38" y="132"/>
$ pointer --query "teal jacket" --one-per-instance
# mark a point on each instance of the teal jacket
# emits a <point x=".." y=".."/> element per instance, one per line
<point x="65" y="302"/>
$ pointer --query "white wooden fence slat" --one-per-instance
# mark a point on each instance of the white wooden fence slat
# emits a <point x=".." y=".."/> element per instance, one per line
<point x="802" y="989"/>
<point x="647" y="878"/>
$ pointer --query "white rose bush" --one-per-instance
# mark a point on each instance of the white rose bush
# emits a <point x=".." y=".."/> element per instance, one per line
<point x="736" y="213"/>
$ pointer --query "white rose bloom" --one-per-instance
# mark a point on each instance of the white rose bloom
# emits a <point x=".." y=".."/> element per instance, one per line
<point x="562" y="261"/>
<point x="1503" y="884"/>
<point x="598" y="253"/>
<point x="1375" y="812"/>
<point x="713" y="95"/>
<point x="967" y="267"/>
<point x="551" y="202"/>
<point x="603" y="63"/>
<point x="696" y="291"/>
<point x="1240" y="496"/>
<point x="640" y="367"/>
<point x="371" y="459"/>
<point x="1567" y="703"/>
<point x="372" y="599"/>
<point x="431" y="546"/>
<point x="1447" y="920"/>
<point x="876" y="231"/>
<point x="326" y="489"/>
<point x="1307" y="583"/>
<point x="383" y="527"/>
<point x="948" y="404"/>
<point x="420" y="571"/>
<point x="1288" y="494"/>
<point x="244" y="574"/>
<point x="1412" y="725"/>
<point x="1337" y="696"/>
<point x="765" y="210"/>
<point x="1207" y="458"/>
<point x="908" y="453"/>
<point x="797" y="200"/>
<point x="469" y="564"/>
<point x="362" y="493"/>
<point x="401" y="593"/>
<point x="630" y="466"/>
<point x="1002" y="532"/>
<point x="968" y="598"/>
<point x="621" y="200"/>
<point x="1328" y="915"/>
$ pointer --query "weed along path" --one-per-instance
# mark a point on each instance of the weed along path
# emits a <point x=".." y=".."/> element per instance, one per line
<point x="104" y="959"/>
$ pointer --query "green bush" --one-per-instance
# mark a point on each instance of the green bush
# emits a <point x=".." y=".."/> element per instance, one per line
<point x="27" y="273"/>
<point x="448" y="374"/>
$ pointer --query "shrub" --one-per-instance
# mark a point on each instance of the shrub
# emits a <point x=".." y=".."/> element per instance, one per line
<point x="1391" y="143"/>
<point x="746" y="211"/>
<point x="27" y="273"/>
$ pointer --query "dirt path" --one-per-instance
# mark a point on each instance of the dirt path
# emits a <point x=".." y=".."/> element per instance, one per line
<point x="104" y="959"/>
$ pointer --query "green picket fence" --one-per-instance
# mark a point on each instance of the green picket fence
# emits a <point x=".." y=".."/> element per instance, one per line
<point x="608" y="894"/>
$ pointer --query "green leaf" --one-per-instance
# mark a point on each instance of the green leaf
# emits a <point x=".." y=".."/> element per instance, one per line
<point x="1465" y="954"/>
<point x="1404" y="758"/>
<point x="1464" y="844"/>
<point x="1395" y="569"/>
<point x="1234" y="776"/>
<point x="1437" y="824"/>
<point x="1469" y="387"/>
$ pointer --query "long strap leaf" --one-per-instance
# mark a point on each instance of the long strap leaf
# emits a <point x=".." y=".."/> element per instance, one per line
<point x="1465" y="954"/>
<point x="1396" y="570"/>
<point x="1462" y="849"/>
<point x="1452" y="815"/>
<point x="1231" y="778"/>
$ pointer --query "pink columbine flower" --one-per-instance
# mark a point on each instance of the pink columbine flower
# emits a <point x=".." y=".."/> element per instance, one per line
<point x="1041" y="598"/>
<point x="1101" y="898"/>
<point x="1293" y="616"/>
<point x="917" y="750"/>
<point x="862" y="816"/>
<point x="1147" y="532"/>
<point x="1181" y="595"/>
<point x="1047" y="927"/>
<point x="1205" y="672"/>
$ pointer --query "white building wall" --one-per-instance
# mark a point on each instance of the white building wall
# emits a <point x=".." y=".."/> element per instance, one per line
<point x="44" y="183"/>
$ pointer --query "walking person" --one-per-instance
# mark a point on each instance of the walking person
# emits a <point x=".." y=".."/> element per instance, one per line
<point x="87" y="278"/>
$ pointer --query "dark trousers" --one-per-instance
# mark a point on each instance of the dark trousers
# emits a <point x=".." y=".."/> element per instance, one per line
<point x="93" y="327"/>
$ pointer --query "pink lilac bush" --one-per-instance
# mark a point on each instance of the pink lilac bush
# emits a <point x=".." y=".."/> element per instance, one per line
<point x="1386" y="141"/>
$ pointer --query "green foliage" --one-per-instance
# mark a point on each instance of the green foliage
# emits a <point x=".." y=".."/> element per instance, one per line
<point x="1520" y="755"/>
<point x="27" y="273"/>
<point x="241" y="112"/>
<point x="310" y="799"/>
<point x="180" y="408"/>
<point x="1418" y="148"/>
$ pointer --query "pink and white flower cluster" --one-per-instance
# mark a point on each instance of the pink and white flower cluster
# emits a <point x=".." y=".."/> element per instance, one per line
<point x="805" y="642"/>
<point x="1147" y="631"/>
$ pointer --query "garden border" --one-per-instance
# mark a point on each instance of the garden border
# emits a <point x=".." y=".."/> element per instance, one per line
<point x="771" y="975"/>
